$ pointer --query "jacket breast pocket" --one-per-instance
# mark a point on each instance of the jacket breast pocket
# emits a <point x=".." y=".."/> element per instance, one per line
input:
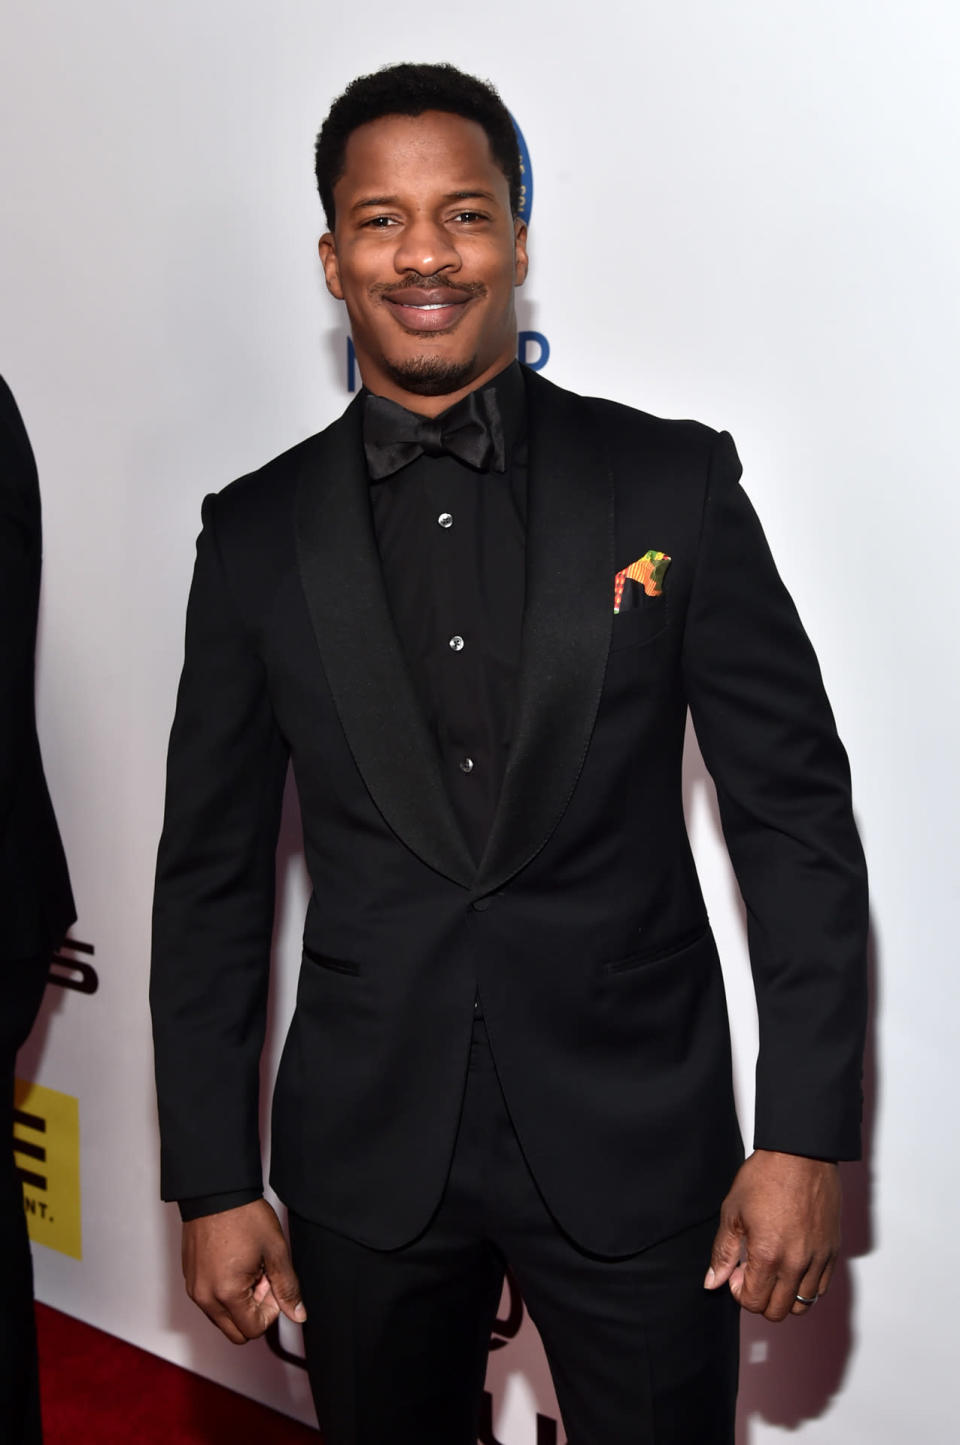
<point x="639" y="625"/>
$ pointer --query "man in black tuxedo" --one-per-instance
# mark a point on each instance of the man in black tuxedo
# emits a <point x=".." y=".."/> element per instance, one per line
<point x="36" y="905"/>
<point x="473" y="613"/>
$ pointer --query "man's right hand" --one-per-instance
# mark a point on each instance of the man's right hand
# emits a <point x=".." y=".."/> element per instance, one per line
<point x="237" y="1268"/>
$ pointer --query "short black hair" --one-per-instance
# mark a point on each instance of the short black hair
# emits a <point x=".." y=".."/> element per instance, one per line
<point x="410" y="89"/>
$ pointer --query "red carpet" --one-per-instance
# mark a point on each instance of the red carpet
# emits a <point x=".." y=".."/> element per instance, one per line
<point x="98" y="1390"/>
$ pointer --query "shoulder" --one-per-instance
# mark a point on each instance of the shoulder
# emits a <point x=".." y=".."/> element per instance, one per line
<point x="628" y="433"/>
<point x="262" y="504"/>
<point x="270" y="489"/>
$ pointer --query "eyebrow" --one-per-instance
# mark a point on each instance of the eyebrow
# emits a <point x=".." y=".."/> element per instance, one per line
<point x="470" y="195"/>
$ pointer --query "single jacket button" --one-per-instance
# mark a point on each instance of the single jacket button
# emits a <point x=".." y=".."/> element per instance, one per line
<point x="481" y="904"/>
<point x="445" y="519"/>
<point x="466" y="765"/>
<point x="456" y="642"/>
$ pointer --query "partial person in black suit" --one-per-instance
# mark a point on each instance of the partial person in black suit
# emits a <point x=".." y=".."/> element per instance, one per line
<point x="474" y="613"/>
<point x="36" y="905"/>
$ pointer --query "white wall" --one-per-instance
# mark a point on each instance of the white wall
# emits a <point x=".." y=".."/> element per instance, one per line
<point x="745" y="211"/>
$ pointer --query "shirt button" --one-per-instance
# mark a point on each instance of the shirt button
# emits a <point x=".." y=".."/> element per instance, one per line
<point x="445" y="519"/>
<point x="456" y="642"/>
<point x="480" y="905"/>
<point x="466" y="765"/>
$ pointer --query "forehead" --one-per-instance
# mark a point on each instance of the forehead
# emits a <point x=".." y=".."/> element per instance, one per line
<point x="418" y="152"/>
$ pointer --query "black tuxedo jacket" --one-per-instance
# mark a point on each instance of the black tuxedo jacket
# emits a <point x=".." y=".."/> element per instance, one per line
<point x="583" y="928"/>
<point x="36" y="906"/>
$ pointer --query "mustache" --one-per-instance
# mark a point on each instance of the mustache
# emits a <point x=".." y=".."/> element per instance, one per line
<point x="429" y="283"/>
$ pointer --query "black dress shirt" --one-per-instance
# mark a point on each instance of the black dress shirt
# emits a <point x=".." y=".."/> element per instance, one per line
<point x="452" y="544"/>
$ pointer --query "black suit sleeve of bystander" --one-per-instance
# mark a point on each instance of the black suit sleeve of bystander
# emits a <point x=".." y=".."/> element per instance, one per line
<point x="19" y="563"/>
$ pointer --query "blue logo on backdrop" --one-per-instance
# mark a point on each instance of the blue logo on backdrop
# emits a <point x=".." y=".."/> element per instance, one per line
<point x="526" y="176"/>
<point x="533" y="348"/>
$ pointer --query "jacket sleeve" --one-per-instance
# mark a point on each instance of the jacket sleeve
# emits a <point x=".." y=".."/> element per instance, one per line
<point x="768" y="737"/>
<point x="213" y="907"/>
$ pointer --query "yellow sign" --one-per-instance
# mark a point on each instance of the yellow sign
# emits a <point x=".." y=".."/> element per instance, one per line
<point x="46" y="1147"/>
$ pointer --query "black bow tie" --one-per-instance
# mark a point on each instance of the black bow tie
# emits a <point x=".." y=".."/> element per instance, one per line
<point x="471" y="431"/>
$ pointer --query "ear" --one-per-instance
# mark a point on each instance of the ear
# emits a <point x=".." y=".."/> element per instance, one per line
<point x="331" y="269"/>
<point x="519" y="251"/>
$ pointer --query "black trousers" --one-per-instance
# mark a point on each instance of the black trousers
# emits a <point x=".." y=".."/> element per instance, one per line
<point x="21" y="990"/>
<point x="397" y="1340"/>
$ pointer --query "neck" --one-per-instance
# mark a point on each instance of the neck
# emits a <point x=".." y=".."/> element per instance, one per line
<point x="381" y="383"/>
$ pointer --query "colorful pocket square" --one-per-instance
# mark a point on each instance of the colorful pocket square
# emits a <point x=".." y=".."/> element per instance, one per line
<point x="648" y="570"/>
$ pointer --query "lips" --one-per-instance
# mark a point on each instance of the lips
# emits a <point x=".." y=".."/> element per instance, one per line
<point x="427" y="310"/>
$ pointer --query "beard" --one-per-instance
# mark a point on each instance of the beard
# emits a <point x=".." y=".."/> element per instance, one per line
<point x="430" y="375"/>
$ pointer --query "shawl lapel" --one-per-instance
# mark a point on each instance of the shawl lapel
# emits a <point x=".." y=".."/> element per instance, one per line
<point x="566" y="629"/>
<point x="368" y="677"/>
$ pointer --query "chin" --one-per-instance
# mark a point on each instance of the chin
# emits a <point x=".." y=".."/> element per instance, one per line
<point x="431" y="375"/>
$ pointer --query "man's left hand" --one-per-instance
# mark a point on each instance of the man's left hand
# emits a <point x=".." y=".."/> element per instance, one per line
<point x="779" y="1233"/>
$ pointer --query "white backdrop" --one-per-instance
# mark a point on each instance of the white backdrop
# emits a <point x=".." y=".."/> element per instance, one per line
<point x="745" y="211"/>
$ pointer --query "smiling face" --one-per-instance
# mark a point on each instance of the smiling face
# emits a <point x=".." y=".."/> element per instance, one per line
<point x="426" y="255"/>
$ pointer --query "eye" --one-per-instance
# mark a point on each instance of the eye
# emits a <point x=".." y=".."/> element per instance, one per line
<point x="379" y="223"/>
<point x="468" y="218"/>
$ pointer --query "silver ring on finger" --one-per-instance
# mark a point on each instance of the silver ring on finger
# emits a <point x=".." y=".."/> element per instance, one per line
<point x="802" y="1299"/>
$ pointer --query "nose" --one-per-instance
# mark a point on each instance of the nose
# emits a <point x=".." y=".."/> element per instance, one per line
<point x="425" y="246"/>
